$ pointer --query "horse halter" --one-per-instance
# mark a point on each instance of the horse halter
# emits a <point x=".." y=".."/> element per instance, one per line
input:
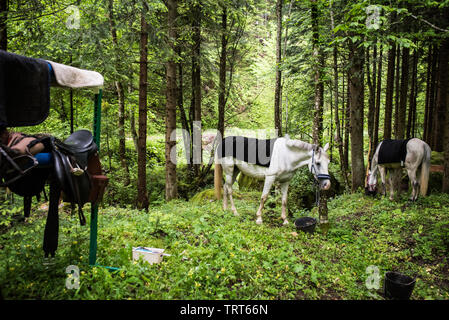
<point x="314" y="171"/>
<point x="318" y="178"/>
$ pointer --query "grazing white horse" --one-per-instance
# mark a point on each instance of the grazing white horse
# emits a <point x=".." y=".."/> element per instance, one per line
<point x="417" y="156"/>
<point x="272" y="160"/>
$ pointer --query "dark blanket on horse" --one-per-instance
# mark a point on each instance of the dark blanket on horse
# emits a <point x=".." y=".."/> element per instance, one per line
<point x="251" y="150"/>
<point x="392" y="151"/>
<point x="24" y="90"/>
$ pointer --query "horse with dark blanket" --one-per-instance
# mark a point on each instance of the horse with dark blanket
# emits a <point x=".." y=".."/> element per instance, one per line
<point x="72" y="166"/>
<point x="391" y="156"/>
<point x="393" y="151"/>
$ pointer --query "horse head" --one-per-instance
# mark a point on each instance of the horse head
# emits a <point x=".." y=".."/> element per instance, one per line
<point x="319" y="166"/>
<point x="371" y="182"/>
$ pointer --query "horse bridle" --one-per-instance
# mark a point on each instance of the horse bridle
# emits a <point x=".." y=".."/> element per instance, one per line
<point x="313" y="170"/>
<point x="318" y="177"/>
<point x="32" y="162"/>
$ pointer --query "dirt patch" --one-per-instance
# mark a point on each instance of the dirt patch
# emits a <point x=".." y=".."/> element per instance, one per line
<point x="330" y="294"/>
<point x="355" y="215"/>
<point x="300" y="295"/>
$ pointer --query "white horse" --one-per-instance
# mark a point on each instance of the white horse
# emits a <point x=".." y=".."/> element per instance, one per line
<point x="272" y="160"/>
<point x="417" y="156"/>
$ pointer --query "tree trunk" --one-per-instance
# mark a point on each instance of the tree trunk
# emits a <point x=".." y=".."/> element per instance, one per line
<point x="338" y="139"/>
<point x="347" y="125"/>
<point x="277" y="96"/>
<point x="427" y="104"/>
<point x="284" y="49"/>
<point x="63" y="113"/>
<point x="446" y="158"/>
<point x="378" y="93"/>
<point x="389" y="92"/>
<point x="432" y="108"/>
<point x="318" y="62"/>
<point x="441" y="101"/>
<point x="412" y="97"/>
<point x="142" y="196"/>
<point x="132" y="118"/>
<point x="446" y="141"/>
<point x="222" y="77"/>
<point x="356" y="87"/>
<point x="371" y="98"/>
<point x="120" y="96"/>
<point x="3" y="25"/>
<point x="397" y="92"/>
<point x="402" y="110"/>
<point x="121" y="130"/>
<point x="196" y="90"/>
<point x="186" y="133"/>
<point x="171" y="187"/>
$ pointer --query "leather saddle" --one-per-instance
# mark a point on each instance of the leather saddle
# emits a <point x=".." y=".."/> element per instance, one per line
<point x="71" y="166"/>
<point x="71" y="161"/>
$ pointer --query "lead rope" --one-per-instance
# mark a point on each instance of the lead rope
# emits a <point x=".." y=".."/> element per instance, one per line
<point x="316" y="182"/>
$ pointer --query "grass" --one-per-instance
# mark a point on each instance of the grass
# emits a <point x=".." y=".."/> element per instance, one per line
<point x="215" y="255"/>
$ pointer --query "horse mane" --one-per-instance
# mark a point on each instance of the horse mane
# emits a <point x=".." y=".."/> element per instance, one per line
<point x="299" y="144"/>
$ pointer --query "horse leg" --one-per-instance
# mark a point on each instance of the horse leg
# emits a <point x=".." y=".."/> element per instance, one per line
<point x="284" y="190"/>
<point x="230" y="172"/>
<point x="225" y="196"/>
<point x="269" y="180"/>
<point x="227" y="172"/>
<point x="392" y="181"/>
<point x="411" y="171"/>
<point x="382" y="178"/>
<point x="234" y="176"/>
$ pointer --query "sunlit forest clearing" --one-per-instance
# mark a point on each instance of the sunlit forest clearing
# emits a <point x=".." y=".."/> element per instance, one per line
<point x="180" y="75"/>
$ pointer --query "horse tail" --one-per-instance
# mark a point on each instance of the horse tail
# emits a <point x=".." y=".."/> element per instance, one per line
<point x="218" y="178"/>
<point x="425" y="169"/>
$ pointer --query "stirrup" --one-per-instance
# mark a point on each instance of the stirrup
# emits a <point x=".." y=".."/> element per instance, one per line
<point x="76" y="171"/>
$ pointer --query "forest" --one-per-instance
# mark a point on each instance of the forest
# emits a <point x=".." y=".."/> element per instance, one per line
<point x="178" y="74"/>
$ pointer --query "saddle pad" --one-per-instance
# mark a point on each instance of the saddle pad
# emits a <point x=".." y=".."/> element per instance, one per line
<point x="392" y="151"/>
<point x="250" y="150"/>
<point x="24" y="90"/>
<point x="67" y="76"/>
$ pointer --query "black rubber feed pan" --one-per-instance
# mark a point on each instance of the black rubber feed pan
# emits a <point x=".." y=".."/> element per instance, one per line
<point x="306" y="224"/>
<point x="398" y="286"/>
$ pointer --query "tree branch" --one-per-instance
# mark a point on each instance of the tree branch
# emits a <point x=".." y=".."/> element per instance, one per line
<point x="429" y="23"/>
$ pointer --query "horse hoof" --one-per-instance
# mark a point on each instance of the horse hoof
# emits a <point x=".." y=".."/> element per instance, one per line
<point x="236" y="213"/>
<point x="285" y="222"/>
<point x="259" y="221"/>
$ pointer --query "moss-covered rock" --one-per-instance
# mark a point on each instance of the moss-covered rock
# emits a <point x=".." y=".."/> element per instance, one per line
<point x="208" y="195"/>
<point x="437" y="158"/>
<point x="249" y="183"/>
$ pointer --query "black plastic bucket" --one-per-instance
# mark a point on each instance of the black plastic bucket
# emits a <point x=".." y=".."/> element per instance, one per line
<point x="398" y="286"/>
<point x="306" y="224"/>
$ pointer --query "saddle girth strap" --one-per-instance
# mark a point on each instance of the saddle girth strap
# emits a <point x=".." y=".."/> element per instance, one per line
<point x="52" y="225"/>
<point x="27" y="206"/>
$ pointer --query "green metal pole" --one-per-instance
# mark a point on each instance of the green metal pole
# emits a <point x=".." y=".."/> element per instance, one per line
<point x="94" y="209"/>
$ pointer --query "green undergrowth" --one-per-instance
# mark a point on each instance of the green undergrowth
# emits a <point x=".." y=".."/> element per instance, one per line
<point x="216" y="255"/>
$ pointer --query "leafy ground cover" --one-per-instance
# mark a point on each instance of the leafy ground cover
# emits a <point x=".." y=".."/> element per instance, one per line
<point x="216" y="255"/>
